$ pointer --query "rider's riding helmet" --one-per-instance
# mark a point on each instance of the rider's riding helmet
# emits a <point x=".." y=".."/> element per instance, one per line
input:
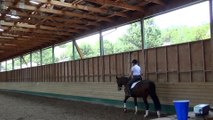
<point x="134" y="61"/>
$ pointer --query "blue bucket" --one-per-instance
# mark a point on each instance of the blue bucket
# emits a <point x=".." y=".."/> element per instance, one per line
<point x="182" y="107"/>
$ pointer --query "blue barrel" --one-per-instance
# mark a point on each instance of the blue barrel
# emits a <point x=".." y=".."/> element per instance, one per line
<point x="182" y="107"/>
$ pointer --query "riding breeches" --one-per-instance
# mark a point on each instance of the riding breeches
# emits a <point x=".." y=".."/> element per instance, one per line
<point x="134" y="79"/>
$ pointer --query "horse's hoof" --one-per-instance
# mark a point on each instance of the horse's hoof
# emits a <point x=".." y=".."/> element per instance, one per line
<point x="145" y="116"/>
<point x="158" y="114"/>
<point x="136" y="113"/>
<point x="125" y="110"/>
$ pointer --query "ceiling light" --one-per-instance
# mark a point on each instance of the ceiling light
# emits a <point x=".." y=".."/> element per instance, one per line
<point x="1" y="29"/>
<point x="34" y="2"/>
<point x="13" y="16"/>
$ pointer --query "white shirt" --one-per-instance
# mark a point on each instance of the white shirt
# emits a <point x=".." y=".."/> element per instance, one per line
<point x="136" y="70"/>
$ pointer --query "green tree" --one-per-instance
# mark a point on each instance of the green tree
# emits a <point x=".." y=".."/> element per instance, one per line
<point x="36" y="59"/>
<point x="66" y="54"/>
<point x="182" y="34"/>
<point x="47" y="56"/>
<point x="86" y="49"/>
<point x="132" y="39"/>
<point x="108" y="47"/>
<point x="152" y="34"/>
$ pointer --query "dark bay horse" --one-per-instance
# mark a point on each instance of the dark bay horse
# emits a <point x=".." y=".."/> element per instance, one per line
<point x="141" y="89"/>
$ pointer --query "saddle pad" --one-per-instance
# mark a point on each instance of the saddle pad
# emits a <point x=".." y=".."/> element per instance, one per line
<point x="135" y="83"/>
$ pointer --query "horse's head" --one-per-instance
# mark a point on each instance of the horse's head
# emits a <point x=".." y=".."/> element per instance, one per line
<point x="121" y="81"/>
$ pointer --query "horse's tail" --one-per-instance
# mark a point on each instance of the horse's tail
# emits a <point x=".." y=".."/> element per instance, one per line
<point x="154" y="96"/>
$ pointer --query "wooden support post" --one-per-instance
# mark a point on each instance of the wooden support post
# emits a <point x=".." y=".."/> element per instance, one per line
<point x="143" y="50"/>
<point x="101" y="44"/>
<point x="41" y="57"/>
<point x="203" y="61"/>
<point x="73" y="50"/>
<point x="190" y="62"/>
<point x="53" y="53"/>
<point x="156" y="64"/>
<point x="6" y="70"/>
<point x="31" y="64"/>
<point x="167" y="69"/>
<point x="178" y="63"/>
<point x="79" y="50"/>
<point x="211" y="28"/>
<point x="12" y="64"/>
<point x="20" y="62"/>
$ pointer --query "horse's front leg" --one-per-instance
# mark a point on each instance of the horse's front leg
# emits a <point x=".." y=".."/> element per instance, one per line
<point x="125" y="99"/>
<point x="136" y="105"/>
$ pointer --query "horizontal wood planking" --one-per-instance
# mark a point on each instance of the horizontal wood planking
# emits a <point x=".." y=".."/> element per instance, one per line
<point x="189" y="62"/>
<point x="180" y="71"/>
<point x="196" y="93"/>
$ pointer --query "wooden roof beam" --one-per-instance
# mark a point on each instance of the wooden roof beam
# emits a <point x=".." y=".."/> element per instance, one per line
<point x="25" y="25"/>
<point x="64" y="13"/>
<point x="41" y="31"/>
<point x="159" y="2"/>
<point x="117" y="4"/>
<point x="25" y="39"/>
<point x="73" y="20"/>
<point x="28" y="35"/>
<point x="74" y="6"/>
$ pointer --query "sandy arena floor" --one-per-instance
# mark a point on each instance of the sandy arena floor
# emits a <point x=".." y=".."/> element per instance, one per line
<point x="15" y="106"/>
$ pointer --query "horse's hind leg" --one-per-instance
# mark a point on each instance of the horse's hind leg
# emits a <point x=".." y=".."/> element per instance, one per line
<point x="147" y="106"/>
<point x="136" y="105"/>
<point x="125" y="99"/>
<point x="156" y="102"/>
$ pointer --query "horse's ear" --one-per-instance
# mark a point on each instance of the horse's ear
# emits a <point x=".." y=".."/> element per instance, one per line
<point x="116" y="77"/>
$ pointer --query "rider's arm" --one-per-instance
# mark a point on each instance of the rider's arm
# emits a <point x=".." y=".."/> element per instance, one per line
<point x="131" y="73"/>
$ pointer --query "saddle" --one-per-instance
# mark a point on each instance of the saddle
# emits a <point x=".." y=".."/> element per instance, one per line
<point x="134" y="84"/>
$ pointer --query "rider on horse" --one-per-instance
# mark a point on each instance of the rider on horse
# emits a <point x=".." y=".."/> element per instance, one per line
<point x="135" y="75"/>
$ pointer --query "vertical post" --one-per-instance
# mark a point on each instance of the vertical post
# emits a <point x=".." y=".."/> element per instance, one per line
<point x="211" y="27"/>
<point x="53" y="53"/>
<point x="6" y="65"/>
<point x="41" y="56"/>
<point x="6" y="70"/>
<point x="31" y="64"/>
<point x="101" y="44"/>
<point x="73" y="50"/>
<point x="20" y="61"/>
<point x="143" y="52"/>
<point x="211" y="19"/>
<point x="12" y="63"/>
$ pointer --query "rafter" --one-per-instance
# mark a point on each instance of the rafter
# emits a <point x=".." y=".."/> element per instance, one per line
<point x="60" y="19"/>
<point x="25" y="25"/>
<point x="74" y="6"/>
<point x="117" y="4"/>
<point x="59" y="12"/>
<point x="160" y="2"/>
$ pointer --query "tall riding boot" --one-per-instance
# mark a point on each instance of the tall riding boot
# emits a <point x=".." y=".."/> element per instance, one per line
<point x="129" y="92"/>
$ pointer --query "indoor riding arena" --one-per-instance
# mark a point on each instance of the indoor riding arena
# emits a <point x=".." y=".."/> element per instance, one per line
<point x="59" y="59"/>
